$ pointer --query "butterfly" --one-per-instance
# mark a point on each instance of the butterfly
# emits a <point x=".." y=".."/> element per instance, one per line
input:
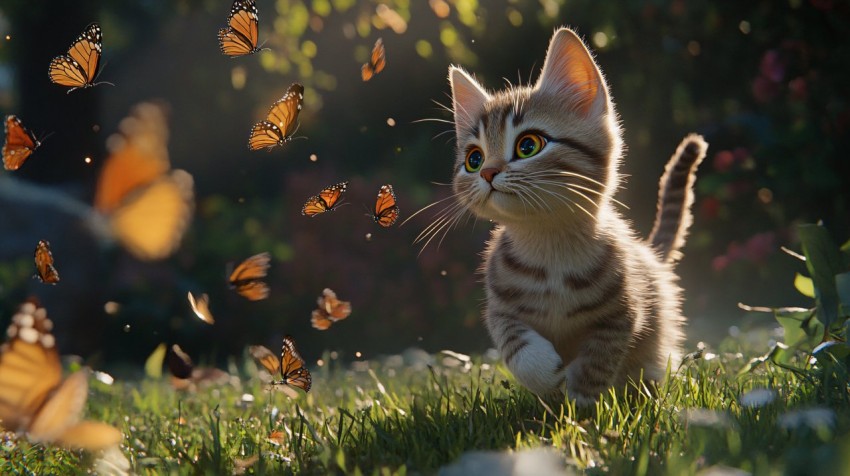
<point x="147" y="206"/>
<point x="240" y="36"/>
<point x="325" y="201"/>
<point x="179" y="362"/>
<point x="386" y="210"/>
<point x="290" y="366"/>
<point x="279" y="125"/>
<point x="201" y="307"/>
<point x="246" y="279"/>
<point x="330" y="310"/>
<point x="377" y="61"/>
<point x="79" y="67"/>
<point x="44" y="263"/>
<point x="33" y="397"/>
<point x="20" y="143"/>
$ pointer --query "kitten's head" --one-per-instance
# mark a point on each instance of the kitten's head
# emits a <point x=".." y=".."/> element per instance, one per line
<point x="543" y="154"/>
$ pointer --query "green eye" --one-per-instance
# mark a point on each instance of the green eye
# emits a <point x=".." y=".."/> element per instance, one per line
<point x="529" y="145"/>
<point x="474" y="159"/>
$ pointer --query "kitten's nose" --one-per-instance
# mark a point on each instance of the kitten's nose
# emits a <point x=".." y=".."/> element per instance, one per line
<point x="488" y="173"/>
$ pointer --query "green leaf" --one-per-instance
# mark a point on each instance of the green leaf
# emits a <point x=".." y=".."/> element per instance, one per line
<point x="832" y="351"/>
<point x="153" y="364"/>
<point x="801" y="328"/>
<point x="824" y="261"/>
<point x="845" y="250"/>
<point x="804" y="285"/>
<point x="842" y="286"/>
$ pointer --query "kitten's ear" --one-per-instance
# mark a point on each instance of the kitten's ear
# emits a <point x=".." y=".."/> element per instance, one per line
<point x="570" y="72"/>
<point x="468" y="98"/>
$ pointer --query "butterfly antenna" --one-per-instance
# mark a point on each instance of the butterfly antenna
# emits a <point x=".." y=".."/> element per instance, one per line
<point x="368" y="213"/>
<point x="105" y="62"/>
<point x="41" y="141"/>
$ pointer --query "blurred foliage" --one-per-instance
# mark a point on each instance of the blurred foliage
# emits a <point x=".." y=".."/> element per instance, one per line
<point x="764" y="81"/>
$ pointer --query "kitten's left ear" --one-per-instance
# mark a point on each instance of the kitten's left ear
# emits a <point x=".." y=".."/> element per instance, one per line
<point x="570" y="72"/>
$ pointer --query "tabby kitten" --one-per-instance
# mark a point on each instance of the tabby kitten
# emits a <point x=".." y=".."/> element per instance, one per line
<point x="575" y="300"/>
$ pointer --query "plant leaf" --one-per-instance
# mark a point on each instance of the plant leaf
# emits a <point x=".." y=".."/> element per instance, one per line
<point x="805" y="285"/>
<point x="153" y="364"/>
<point x="824" y="261"/>
<point x="842" y="286"/>
<point x="801" y="328"/>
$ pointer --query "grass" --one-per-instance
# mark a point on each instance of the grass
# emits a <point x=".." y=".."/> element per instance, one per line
<point x="390" y="418"/>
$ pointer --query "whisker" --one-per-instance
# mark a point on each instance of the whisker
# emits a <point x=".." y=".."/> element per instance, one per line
<point x="428" y="206"/>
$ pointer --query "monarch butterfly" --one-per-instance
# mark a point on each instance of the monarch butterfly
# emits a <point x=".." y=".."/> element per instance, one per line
<point x="33" y="397"/>
<point x="330" y="310"/>
<point x="246" y="279"/>
<point x="326" y="200"/>
<point x="147" y="208"/>
<point x="79" y="67"/>
<point x="290" y="365"/>
<point x="44" y="263"/>
<point x="179" y="363"/>
<point x="386" y="210"/>
<point x="279" y="125"/>
<point x="240" y="36"/>
<point x="20" y="143"/>
<point x="377" y="61"/>
<point x="201" y="307"/>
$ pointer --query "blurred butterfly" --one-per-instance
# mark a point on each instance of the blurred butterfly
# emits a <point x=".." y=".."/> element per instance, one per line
<point x="79" y="67"/>
<point x="247" y="278"/>
<point x="147" y="206"/>
<point x="33" y="397"/>
<point x="20" y="143"/>
<point x="179" y="363"/>
<point x="290" y="366"/>
<point x="44" y="263"/>
<point x="279" y="125"/>
<point x="326" y="200"/>
<point x="201" y="307"/>
<point x="240" y="36"/>
<point x="377" y="61"/>
<point x="330" y="310"/>
<point x="386" y="210"/>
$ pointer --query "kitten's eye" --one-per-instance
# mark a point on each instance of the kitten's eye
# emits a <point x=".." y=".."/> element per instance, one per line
<point x="529" y="145"/>
<point x="474" y="159"/>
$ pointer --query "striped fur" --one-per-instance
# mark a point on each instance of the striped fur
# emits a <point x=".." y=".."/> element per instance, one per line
<point x="675" y="197"/>
<point x="575" y="301"/>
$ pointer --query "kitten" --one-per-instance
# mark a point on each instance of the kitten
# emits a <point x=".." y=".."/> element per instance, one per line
<point x="575" y="300"/>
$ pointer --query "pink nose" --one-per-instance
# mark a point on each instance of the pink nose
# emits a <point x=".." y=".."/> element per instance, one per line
<point x="488" y="173"/>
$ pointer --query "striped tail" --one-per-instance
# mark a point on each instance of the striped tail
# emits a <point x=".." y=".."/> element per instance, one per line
<point x="675" y="197"/>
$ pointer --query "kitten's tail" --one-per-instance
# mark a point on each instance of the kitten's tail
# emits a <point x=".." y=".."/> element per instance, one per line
<point x="675" y="197"/>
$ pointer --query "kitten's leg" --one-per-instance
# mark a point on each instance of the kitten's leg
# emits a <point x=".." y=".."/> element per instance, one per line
<point x="599" y="360"/>
<point x="529" y="356"/>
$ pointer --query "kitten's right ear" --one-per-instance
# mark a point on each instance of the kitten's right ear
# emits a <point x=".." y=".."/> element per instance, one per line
<point x="468" y="99"/>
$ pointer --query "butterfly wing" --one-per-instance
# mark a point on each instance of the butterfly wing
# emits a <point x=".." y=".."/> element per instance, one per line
<point x="332" y="306"/>
<point x="386" y="210"/>
<point x="325" y="201"/>
<point x="240" y="36"/>
<point x="44" y="263"/>
<point x="79" y="67"/>
<point x="280" y="122"/>
<point x="179" y="362"/>
<point x="201" y="307"/>
<point x="292" y="366"/>
<point x="377" y="61"/>
<point x="20" y="143"/>
<point x="266" y="358"/>
<point x="29" y="367"/>
<point x="319" y="320"/>
<point x="90" y="435"/>
<point x="148" y="209"/>
<point x="246" y="279"/>
<point x="62" y="409"/>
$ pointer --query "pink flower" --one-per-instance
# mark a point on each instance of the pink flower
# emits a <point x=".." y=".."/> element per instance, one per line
<point x="723" y="161"/>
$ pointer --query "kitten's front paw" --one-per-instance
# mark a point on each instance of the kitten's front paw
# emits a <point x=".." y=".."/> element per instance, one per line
<point x="580" y="388"/>
<point x="537" y="366"/>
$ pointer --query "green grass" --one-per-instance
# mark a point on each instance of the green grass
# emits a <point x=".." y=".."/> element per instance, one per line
<point x="378" y="418"/>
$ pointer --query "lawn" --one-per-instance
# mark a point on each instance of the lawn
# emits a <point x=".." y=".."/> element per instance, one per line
<point x="414" y="413"/>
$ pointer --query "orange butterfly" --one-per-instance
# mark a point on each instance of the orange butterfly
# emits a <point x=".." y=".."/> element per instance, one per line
<point x="79" y="67"/>
<point x="290" y="366"/>
<point x="147" y="206"/>
<point x="201" y="307"/>
<point x="20" y="143"/>
<point x="377" y="61"/>
<point x="325" y="201"/>
<point x="246" y="279"/>
<point x="44" y="263"/>
<point x="240" y="36"/>
<point x="33" y="397"/>
<point x="386" y="210"/>
<point x="330" y="310"/>
<point x="279" y="125"/>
